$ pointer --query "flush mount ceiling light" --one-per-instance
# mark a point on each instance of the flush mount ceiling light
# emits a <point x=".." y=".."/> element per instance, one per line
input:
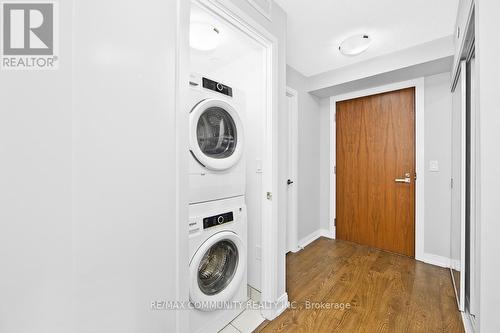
<point x="355" y="45"/>
<point x="204" y="36"/>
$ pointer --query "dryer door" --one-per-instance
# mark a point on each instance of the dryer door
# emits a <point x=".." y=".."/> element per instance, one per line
<point x="217" y="270"/>
<point x="216" y="134"/>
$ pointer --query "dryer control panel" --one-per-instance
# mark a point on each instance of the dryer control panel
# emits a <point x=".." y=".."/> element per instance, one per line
<point x="213" y="221"/>
<point x="217" y="87"/>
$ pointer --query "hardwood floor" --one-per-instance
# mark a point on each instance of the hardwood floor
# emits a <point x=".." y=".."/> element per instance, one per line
<point x="386" y="292"/>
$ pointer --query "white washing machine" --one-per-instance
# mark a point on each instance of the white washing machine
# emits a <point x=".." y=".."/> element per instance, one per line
<point x="216" y="141"/>
<point x="218" y="269"/>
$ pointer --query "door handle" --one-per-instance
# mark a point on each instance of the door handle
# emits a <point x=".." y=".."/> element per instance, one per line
<point x="289" y="182"/>
<point x="406" y="180"/>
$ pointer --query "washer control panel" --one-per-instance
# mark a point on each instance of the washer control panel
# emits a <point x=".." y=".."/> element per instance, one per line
<point x="216" y="220"/>
<point x="217" y="87"/>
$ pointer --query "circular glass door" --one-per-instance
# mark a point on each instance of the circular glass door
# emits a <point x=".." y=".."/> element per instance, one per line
<point x="217" y="270"/>
<point x="217" y="267"/>
<point x="216" y="134"/>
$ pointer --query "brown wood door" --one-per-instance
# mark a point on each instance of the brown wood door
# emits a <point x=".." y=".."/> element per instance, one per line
<point x="376" y="146"/>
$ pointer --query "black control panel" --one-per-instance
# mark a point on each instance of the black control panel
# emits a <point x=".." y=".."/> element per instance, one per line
<point x="218" y="87"/>
<point x="213" y="221"/>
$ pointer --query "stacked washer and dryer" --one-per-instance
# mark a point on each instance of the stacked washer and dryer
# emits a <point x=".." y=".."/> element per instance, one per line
<point x="217" y="210"/>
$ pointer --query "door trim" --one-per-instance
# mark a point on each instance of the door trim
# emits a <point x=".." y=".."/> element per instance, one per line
<point x="419" y="152"/>
<point x="293" y="131"/>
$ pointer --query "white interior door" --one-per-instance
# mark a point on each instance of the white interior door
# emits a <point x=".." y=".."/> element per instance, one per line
<point x="292" y="181"/>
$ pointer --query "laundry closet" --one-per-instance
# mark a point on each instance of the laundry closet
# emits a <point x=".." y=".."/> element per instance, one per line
<point x="227" y="120"/>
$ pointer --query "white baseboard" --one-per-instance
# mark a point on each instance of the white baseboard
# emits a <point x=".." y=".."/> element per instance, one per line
<point x="313" y="236"/>
<point x="455" y="264"/>
<point x="278" y="307"/>
<point x="435" y="260"/>
<point x="326" y="233"/>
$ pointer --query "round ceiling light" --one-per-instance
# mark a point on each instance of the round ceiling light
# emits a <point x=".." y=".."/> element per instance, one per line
<point x="355" y="45"/>
<point x="203" y="36"/>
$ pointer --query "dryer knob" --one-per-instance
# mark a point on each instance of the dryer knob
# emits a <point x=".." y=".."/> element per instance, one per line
<point x="220" y="219"/>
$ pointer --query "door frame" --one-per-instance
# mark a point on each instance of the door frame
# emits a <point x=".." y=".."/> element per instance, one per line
<point x="272" y="250"/>
<point x="418" y="84"/>
<point x="293" y="132"/>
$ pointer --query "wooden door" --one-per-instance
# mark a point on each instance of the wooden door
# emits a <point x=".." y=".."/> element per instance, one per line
<point x="375" y="146"/>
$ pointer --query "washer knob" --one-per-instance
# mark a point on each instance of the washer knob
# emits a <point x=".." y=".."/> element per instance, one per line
<point x="220" y="219"/>
<point x="220" y="86"/>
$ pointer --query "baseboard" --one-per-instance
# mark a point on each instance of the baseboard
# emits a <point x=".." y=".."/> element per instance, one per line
<point x="313" y="236"/>
<point x="326" y="233"/>
<point x="435" y="260"/>
<point x="278" y="308"/>
<point x="455" y="264"/>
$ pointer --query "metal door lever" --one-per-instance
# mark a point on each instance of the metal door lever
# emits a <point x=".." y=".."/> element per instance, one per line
<point x="406" y="180"/>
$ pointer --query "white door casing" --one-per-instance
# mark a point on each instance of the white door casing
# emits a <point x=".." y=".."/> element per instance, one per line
<point x="292" y="185"/>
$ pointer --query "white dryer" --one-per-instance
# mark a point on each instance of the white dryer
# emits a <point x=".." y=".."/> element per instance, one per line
<point x="218" y="269"/>
<point x="216" y="141"/>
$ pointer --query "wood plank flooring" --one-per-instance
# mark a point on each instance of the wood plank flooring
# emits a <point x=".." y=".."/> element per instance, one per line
<point x="386" y="292"/>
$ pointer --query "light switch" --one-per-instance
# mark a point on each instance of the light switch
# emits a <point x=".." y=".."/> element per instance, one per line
<point x="433" y="166"/>
<point x="258" y="165"/>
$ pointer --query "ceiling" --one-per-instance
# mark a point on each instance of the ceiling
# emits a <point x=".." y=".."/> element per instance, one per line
<point x="233" y="44"/>
<point x="317" y="27"/>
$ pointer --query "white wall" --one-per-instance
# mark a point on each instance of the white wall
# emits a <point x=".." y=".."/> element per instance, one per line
<point x="437" y="147"/>
<point x="487" y="51"/>
<point x="89" y="233"/>
<point x="35" y="194"/>
<point x="438" y="104"/>
<point x="308" y="156"/>
<point x="127" y="245"/>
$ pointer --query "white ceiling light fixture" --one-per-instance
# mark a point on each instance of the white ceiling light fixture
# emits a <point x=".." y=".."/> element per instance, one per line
<point x="355" y="45"/>
<point x="204" y="36"/>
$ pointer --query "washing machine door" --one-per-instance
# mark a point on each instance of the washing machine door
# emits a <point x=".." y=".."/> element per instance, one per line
<point x="217" y="270"/>
<point x="216" y="134"/>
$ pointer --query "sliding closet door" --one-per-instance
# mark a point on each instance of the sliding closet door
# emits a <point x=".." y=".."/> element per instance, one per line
<point x="458" y="183"/>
